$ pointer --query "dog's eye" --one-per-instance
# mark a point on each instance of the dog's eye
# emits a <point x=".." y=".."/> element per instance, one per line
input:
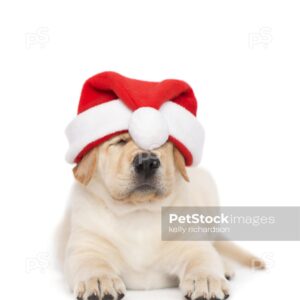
<point x="121" y="142"/>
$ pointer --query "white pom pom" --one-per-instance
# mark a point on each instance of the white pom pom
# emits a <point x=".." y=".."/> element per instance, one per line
<point x="148" y="128"/>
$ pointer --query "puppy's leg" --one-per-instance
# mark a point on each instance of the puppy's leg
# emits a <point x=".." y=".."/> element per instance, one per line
<point x="199" y="268"/>
<point x="92" y="267"/>
<point x="238" y="254"/>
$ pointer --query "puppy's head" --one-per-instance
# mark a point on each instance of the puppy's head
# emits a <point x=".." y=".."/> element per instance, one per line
<point x="129" y="173"/>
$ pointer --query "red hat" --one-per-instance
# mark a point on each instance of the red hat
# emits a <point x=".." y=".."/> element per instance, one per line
<point x="152" y="113"/>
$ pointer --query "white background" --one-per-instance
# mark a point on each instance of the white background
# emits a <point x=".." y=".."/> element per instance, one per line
<point x="241" y="58"/>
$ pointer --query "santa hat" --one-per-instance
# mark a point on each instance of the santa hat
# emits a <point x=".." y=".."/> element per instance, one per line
<point x="152" y="113"/>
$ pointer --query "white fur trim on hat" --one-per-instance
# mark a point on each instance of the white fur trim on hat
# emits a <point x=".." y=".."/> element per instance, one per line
<point x="94" y="123"/>
<point x="185" y="127"/>
<point x="149" y="128"/>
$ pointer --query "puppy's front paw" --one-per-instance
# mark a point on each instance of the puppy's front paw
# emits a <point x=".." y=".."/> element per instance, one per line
<point x="105" y="287"/>
<point x="204" y="286"/>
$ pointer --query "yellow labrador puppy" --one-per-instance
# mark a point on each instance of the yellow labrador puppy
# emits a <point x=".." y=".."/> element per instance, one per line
<point x="110" y="239"/>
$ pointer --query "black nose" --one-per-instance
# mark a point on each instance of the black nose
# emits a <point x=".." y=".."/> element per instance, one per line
<point x="146" y="164"/>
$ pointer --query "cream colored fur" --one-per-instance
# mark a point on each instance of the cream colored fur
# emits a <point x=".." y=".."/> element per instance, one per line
<point x="107" y="245"/>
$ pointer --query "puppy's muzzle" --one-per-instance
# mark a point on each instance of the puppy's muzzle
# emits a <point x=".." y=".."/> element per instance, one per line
<point x="146" y="164"/>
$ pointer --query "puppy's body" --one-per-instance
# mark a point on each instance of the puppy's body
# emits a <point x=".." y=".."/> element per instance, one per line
<point x="135" y="231"/>
<point x="109" y="243"/>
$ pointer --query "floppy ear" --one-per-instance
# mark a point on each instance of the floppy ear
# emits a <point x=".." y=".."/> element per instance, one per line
<point x="180" y="164"/>
<point x="85" y="169"/>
